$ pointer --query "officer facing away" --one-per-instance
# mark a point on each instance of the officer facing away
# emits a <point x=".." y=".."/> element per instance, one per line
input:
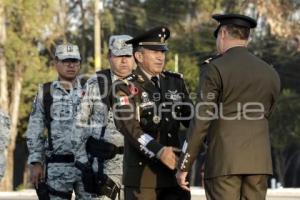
<point x="238" y="93"/>
<point x="55" y="106"/>
<point x="99" y="144"/>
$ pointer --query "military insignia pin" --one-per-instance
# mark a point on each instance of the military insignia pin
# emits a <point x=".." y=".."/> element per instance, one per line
<point x="140" y="79"/>
<point x="156" y="119"/>
<point x="145" y="97"/>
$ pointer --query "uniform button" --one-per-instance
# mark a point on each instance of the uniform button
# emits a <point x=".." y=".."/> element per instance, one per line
<point x="140" y="163"/>
<point x="178" y="107"/>
<point x="164" y="105"/>
<point x="167" y="119"/>
<point x="149" y="113"/>
<point x="169" y="135"/>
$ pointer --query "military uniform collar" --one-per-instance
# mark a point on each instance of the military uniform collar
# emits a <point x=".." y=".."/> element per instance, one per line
<point x="113" y="76"/>
<point x="236" y="48"/>
<point x="149" y="76"/>
<point x="57" y="84"/>
<point x="147" y="83"/>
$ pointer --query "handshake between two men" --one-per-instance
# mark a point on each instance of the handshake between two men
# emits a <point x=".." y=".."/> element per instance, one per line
<point x="169" y="156"/>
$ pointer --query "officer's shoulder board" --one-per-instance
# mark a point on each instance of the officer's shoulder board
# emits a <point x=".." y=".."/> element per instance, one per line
<point x="130" y="78"/>
<point x="172" y="74"/>
<point x="208" y="60"/>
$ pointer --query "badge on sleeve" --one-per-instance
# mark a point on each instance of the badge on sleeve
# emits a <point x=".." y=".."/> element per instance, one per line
<point x="123" y="100"/>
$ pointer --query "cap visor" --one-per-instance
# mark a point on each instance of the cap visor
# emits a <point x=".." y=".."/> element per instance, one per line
<point x="127" y="52"/>
<point x="68" y="57"/>
<point x="156" y="47"/>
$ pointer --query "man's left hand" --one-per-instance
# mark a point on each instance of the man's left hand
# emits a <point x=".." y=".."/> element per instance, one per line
<point x="181" y="180"/>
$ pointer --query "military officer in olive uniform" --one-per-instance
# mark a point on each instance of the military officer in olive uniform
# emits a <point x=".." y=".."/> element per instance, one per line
<point x="237" y="95"/>
<point x="148" y="108"/>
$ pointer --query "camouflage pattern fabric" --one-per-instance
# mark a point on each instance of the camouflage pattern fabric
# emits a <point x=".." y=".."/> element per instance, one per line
<point x="92" y="116"/>
<point x="63" y="177"/>
<point x="4" y="137"/>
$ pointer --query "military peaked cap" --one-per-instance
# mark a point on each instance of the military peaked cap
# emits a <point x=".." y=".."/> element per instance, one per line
<point x="154" y="39"/>
<point x="235" y="19"/>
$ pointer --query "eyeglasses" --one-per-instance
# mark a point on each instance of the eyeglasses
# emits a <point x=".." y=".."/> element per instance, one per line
<point x="68" y="62"/>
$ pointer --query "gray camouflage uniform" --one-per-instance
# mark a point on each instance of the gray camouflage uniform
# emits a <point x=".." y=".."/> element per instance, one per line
<point x="4" y="137"/>
<point x="92" y="115"/>
<point x="64" y="177"/>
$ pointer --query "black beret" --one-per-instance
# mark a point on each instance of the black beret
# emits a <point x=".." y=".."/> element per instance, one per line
<point x="154" y="39"/>
<point x="235" y="19"/>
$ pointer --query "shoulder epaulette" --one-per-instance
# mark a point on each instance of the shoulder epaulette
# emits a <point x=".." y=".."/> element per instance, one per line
<point x="174" y="74"/>
<point x="129" y="78"/>
<point x="208" y="60"/>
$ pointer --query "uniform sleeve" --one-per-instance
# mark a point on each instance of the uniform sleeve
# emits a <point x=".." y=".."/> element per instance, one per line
<point x="4" y="131"/>
<point x="35" y="132"/>
<point x="126" y="115"/>
<point x="186" y="109"/>
<point x="275" y="93"/>
<point x="205" y="110"/>
<point x="4" y="138"/>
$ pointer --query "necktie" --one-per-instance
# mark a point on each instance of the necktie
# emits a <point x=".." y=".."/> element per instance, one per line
<point x="154" y="79"/>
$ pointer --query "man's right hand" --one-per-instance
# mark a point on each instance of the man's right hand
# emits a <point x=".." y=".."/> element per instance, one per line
<point x="36" y="174"/>
<point x="168" y="157"/>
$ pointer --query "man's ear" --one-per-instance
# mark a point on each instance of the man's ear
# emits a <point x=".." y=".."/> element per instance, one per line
<point x="223" y="33"/>
<point x="53" y="62"/>
<point x="139" y="56"/>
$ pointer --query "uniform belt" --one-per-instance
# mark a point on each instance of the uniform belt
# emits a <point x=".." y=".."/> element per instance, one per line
<point x="102" y="149"/>
<point x="63" y="195"/>
<point x="60" y="158"/>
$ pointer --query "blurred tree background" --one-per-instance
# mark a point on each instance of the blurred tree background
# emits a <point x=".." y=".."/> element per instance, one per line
<point x="29" y="30"/>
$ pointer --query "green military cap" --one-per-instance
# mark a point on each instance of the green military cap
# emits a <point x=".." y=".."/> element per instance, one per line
<point x="235" y="19"/>
<point x="153" y="39"/>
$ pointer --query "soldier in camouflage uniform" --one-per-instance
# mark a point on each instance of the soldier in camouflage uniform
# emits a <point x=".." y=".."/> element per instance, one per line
<point x="4" y="136"/>
<point x="50" y="156"/>
<point x="95" y="118"/>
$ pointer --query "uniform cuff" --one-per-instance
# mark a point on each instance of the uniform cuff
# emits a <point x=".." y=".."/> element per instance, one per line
<point x="184" y="163"/>
<point x="35" y="158"/>
<point x="155" y="147"/>
<point x="148" y="145"/>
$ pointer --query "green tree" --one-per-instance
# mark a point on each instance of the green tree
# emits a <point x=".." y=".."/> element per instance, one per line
<point x="24" y="34"/>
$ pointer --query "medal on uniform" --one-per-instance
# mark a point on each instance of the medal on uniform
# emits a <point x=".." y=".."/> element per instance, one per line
<point x="145" y="97"/>
<point x="133" y="90"/>
<point x="156" y="119"/>
<point x="173" y="95"/>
